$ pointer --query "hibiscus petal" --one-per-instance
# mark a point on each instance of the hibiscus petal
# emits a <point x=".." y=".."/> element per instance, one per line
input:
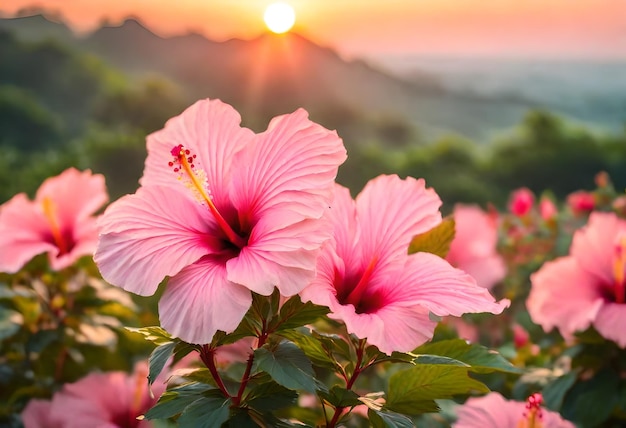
<point x="391" y="212"/>
<point x="490" y="411"/>
<point x="610" y="322"/>
<point x="404" y="329"/>
<point x="594" y="245"/>
<point x="211" y="130"/>
<point x="487" y="271"/>
<point x="151" y="234"/>
<point x="431" y="282"/>
<point x="284" y="257"/>
<point x="321" y="290"/>
<point x="291" y="167"/>
<point x="75" y="195"/>
<point x="36" y="414"/>
<point x="564" y="295"/>
<point x="86" y="241"/>
<point x="476" y="234"/>
<point x="342" y="215"/>
<point x="92" y="401"/>
<point x="493" y="411"/>
<point x="199" y="301"/>
<point x="23" y="233"/>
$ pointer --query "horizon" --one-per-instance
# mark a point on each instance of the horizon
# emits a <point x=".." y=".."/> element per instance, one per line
<point x="581" y="30"/>
<point x="391" y="61"/>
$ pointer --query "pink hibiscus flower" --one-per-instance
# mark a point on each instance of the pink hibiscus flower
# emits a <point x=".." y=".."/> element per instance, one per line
<point x="59" y="221"/>
<point x="36" y="414"/>
<point x="368" y="280"/>
<point x="588" y="286"/>
<point x="474" y="246"/>
<point x="223" y="212"/>
<point x="547" y="208"/>
<point x="103" y="400"/>
<point x="581" y="202"/>
<point x="521" y="201"/>
<point x="493" y="411"/>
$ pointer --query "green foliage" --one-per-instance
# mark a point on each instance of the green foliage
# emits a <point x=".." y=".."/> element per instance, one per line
<point x="288" y="366"/>
<point x="386" y="419"/>
<point x="591" y="402"/>
<point x="294" y="313"/>
<point x="206" y="412"/>
<point x="270" y="396"/>
<point x="56" y="327"/>
<point x="554" y="392"/>
<point x="25" y="123"/>
<point x="436" y="241"/>
<point x="174" y="401"/>
<point x="315" y="349"/>
<point x="479" y="358"/>
<point x="413" y="391"/>
<point x="341" y="397"/>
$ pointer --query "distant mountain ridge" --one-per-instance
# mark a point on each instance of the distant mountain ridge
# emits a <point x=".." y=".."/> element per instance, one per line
<point x="274" y="74"/>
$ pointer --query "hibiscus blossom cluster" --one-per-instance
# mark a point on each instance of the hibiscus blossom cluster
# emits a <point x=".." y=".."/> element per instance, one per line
<point x="293" y="303"/>
<point x="224" y="213"/>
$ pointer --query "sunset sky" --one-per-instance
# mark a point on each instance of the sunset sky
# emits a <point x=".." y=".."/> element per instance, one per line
<point x="589" y="29"/>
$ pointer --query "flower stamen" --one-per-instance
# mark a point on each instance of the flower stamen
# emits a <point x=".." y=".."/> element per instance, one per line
<point x="50" y="212"/>
<point x="533" y="414"/>
<point x="184" y="164"/>
<point x="619" y="267"/>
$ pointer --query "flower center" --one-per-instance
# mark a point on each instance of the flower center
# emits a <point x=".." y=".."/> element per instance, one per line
<point x="50" y="212"/>
<point x="184" y="164"/>
<point x="355" y="295"/>
<point x="619" y="268"/>
<point x="533" y="414"/>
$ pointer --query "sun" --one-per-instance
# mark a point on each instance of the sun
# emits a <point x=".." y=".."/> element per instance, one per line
<point x="279" y="17"/>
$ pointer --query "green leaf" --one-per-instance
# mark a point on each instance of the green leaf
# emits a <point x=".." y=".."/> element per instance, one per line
<point x="341" y="397"/>
<point x="10" y="322"/>
<point x="241" y="419"/>
<point x="414" y="390"/>
<point x="288" y="365"/>
<point x="590" y="403"/>
<point x="335" y="344"/>
<point x="294" y="314"/>
<point x="312" y="347"/>
<point x="153" y="334"/>
<point x="554" y="392"/>
<point x="386" y="419"/>
<point x="175" y="400"/>
<point x="206" y="412"/>
<point x="436" y="241"/>
<point x="270" y="396"/>
<point x="438" y="360"/>
<point x="158" y="358"/>
<point x="40" y="340"/>
<point x="262" y="310"/>
<point x="481" y="359"/>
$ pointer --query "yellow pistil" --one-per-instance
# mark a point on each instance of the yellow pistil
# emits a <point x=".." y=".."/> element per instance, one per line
<point x="533" y="415"/>
<point x="619" y="266"/>
<point x="197" y="184"/>
<point x="50" y="212"/>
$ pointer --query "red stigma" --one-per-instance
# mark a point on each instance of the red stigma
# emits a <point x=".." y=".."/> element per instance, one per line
<point x="176" y="150"/>
<point x="534" y="401"/>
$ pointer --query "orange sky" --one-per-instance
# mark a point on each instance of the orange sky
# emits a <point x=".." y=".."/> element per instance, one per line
<point x="510" y="28"/>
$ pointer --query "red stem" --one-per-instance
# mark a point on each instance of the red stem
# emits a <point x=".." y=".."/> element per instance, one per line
<point x="350" y="382"/>
<point x="60" y="362"/>
<point x="207" y="355"/>
<point x="246" y="375"/>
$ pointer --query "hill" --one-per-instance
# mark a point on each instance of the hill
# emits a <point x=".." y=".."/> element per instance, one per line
<point x="275" y="74"/>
